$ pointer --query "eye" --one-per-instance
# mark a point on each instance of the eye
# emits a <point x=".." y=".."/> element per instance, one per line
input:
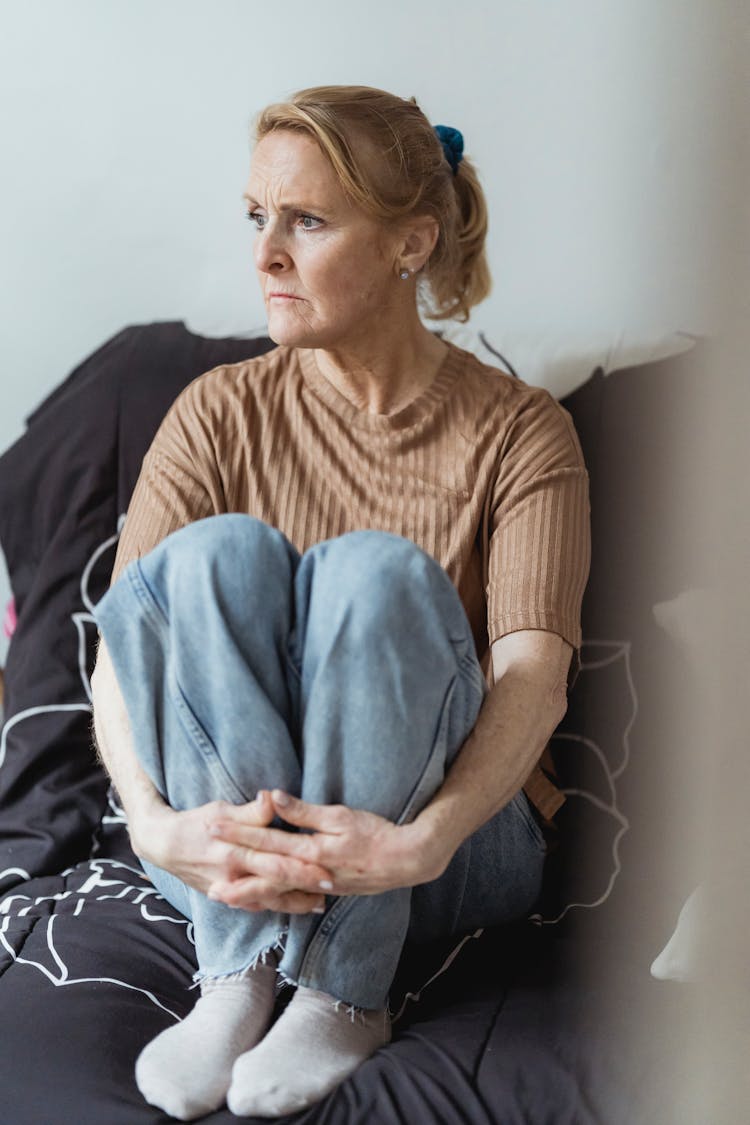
<point x="304" y="218"/>
<point x="260" y="219"/>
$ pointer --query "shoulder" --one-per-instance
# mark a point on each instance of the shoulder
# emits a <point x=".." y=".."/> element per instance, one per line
<point x="211" y="410"/>
<point x="519" y="410"/>
<point x="482" y="379"/>
<point x="494" y="386"/>
<point x="231" y="381"/>
<point x="230" y="392"/>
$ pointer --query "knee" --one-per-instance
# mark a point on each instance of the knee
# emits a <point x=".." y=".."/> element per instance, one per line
<point x="380" y="574"/>
<point x="221" y="551"/>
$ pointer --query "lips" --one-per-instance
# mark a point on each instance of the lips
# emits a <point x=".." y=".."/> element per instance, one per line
<point x="284" y="296"/>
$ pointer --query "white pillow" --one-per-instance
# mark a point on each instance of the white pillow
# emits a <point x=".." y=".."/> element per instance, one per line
<point x="681" y="957"/>
<point x="562" y="363"/>
<point x="692" y="619"/>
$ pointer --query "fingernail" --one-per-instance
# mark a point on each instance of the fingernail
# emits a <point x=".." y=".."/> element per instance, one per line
<point x="213" y="896"/>
<point x="280" y="797"/>
<point x="325" y="885"/>
<point x="259" y="795"/>
<point x="319" y="910"/>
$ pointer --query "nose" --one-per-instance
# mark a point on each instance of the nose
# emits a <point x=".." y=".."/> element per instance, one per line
<point x="270" y="251"/>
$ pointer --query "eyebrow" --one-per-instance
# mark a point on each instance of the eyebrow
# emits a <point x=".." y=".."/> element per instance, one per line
<point x="288" y="206"/>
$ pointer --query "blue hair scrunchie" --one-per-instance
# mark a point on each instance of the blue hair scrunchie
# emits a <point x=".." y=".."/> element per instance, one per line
<point x="452" y="141"/>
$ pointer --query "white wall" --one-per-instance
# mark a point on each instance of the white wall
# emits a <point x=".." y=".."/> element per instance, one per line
<point x="600" y="128"/>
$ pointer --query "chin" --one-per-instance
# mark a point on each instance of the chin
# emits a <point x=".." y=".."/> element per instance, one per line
<point x="291" y="332"/>
<point x="291" y="339"/>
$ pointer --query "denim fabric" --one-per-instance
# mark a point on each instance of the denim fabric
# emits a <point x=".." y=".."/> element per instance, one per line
<point x="344" y="675"/>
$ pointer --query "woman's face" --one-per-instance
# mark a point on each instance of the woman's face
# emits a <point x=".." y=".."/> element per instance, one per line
<point x="327" y="270"/>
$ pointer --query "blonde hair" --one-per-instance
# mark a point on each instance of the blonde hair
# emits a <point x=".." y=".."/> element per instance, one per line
<point x="390" y="161"/>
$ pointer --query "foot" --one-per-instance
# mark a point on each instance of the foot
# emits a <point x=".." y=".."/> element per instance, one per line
<point x="314" y="1045"/>
<point x="186" y="1071"/>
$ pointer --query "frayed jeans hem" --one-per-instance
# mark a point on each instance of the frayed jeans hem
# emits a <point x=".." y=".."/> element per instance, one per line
<point x="203" y="978"/>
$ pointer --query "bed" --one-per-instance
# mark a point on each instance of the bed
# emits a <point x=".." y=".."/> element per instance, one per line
<point x="541" y="1022"/>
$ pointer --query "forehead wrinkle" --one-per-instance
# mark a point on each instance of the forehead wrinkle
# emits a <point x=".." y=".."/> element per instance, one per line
<point x="288" y="206"/>
<point x="287" y="173"/>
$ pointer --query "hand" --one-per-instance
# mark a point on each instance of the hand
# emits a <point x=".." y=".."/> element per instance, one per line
<point x="365" y="854"/>
<point x="182" y="843"/>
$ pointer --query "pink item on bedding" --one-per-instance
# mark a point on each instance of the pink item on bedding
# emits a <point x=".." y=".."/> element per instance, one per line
<point x="10" y="621"/>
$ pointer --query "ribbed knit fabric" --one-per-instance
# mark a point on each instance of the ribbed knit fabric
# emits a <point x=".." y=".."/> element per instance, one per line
<point x="482" y="471"/>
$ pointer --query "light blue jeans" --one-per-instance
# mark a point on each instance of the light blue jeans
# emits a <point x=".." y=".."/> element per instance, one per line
<point x="345" y="675"/>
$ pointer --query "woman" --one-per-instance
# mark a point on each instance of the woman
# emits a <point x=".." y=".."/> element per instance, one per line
<point x="323" y="545"/>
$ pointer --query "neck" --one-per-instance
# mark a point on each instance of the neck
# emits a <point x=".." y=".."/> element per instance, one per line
<point x="386" y="372"/>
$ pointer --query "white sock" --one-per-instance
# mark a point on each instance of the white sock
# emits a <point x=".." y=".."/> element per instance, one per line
<point x="186" y="1070"/>
<point x="314" y="1045"/>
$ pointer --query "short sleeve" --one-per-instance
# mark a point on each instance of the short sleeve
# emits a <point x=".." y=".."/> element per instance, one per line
<point x="540" y="526"/>
<point x="179" y="481"/>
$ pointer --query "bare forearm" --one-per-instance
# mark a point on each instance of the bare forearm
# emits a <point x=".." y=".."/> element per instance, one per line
<point x="114" y="739"/>
<point x="520" y="713"/>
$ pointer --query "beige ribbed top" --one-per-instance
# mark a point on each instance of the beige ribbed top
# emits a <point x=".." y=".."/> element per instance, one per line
<point x="484" y="472"/>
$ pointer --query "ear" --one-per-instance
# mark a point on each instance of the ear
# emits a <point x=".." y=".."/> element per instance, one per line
<point x="418" y="237"/>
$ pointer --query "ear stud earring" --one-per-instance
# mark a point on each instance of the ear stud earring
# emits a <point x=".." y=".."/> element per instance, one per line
<point x="404" y="275"/>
